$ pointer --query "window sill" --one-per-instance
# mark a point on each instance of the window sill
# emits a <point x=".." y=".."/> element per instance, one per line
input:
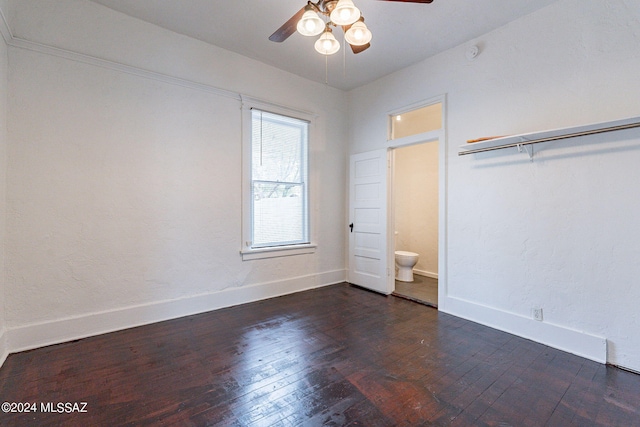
<point x="279" y="251"/>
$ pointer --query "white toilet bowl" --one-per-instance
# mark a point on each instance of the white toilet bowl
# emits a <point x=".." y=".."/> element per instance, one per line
<point x="405" y="261"/>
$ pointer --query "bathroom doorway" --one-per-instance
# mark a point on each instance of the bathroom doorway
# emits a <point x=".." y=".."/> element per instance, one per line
<point x="415" y="211"/>
<point x="416" y="203"/>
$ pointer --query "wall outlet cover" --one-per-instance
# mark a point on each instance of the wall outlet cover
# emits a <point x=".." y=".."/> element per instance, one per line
<point x="537" y="314"/>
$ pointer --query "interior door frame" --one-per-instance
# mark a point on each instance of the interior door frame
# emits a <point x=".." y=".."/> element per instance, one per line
<point x="439" y="136"/>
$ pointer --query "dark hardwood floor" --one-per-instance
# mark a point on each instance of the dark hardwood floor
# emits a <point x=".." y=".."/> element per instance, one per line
<point x="334" y="356"/>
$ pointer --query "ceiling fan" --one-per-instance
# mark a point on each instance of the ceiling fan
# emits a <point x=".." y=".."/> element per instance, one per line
<point x="308" y="22"/>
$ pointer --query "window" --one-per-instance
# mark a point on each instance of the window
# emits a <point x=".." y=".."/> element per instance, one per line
<point x="276" y="193"/>
<point x="279" y="180"/>
<point x="416" y="121"/>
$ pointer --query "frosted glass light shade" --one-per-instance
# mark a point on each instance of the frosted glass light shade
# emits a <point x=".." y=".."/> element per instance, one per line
<point x="345" y="13"/>
<point x="327" y="44"/>
<point x="358" y="34"/>
<point x="310" y="24"/>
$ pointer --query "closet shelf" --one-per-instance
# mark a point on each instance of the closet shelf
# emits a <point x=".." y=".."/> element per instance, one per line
<point x="518" y="141"/>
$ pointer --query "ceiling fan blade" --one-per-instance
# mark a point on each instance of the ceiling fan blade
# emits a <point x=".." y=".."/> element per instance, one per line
<point x="358" y="49"/>
<point x="287" y="28"/>
<point x="412" y="1"/>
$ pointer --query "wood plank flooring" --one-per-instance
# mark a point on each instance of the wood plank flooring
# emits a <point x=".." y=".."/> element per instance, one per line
<point x="335" y="356"/>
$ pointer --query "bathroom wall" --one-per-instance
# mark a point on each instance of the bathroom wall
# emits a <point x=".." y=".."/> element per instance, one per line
<point x="415" y="192"/>
<point x="559" y="232"/>
<point x="3" y="187"/>
<point x="124" y="175"/>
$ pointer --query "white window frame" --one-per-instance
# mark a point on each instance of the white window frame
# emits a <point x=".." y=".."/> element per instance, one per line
<point x="247" y="251"/>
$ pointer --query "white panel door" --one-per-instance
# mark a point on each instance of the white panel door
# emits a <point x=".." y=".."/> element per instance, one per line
<point x="368" y="258"/>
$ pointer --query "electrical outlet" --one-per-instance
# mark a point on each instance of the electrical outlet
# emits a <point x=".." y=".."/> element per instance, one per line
<point x="537" y="314"/>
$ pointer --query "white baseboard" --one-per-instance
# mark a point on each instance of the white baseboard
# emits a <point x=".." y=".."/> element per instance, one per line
<point x="62" y="330"/>
<point x="579" y="343"/>
<point x="425" y="273"/>
<point x="4" y="350"/>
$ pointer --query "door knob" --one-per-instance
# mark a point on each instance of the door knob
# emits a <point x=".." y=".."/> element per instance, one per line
<point x="351" y="227"/>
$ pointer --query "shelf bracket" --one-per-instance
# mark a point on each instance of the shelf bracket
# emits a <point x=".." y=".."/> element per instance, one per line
<point x="522" y="146"/>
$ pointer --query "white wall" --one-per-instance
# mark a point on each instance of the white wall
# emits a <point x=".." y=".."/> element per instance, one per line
<point x="415" y="193"/>
<point x="124" y="175"/>
<point x="3" y="187"/>
<point x="559" y="232"/>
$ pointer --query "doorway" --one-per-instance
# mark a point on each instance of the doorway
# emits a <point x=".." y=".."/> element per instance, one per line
<point x="417" y="198"/>
<point x="414" y="218"/>
<point x="371" y="223"/>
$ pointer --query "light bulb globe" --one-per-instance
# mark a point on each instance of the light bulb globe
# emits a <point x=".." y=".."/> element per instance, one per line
<point x="327" y="44"/>
<point x="310" y="24"/>
<point x="358" y="34"/>
<point x="345" y="13"/>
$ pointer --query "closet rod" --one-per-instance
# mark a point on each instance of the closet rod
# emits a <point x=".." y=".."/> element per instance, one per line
<point x="551" y="138"/>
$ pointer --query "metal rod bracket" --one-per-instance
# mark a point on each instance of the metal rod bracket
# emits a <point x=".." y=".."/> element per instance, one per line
<point x="526" y="148"/>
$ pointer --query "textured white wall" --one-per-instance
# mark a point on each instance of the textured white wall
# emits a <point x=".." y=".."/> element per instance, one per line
<point x="3" y="188"/>
<point x="124" y="190"/>
<point x="416" y="203"/>
<point x="559" y="232"/>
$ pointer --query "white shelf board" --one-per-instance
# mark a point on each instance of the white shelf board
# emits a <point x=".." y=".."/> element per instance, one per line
<point x="547" y="135"/>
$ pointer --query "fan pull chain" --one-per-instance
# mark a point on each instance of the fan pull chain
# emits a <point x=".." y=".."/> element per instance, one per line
<point x="344" y="56"/>
<point x="326" y="69"/>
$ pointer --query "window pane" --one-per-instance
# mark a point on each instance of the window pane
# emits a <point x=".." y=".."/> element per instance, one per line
<point x="278" y="214"/>
<point x="417" y="121"/>
<point x="277" y="147"/>
<point x="279" y="196"/>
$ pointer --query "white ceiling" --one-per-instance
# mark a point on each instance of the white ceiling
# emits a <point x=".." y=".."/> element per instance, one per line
<point x="403" y="33"/>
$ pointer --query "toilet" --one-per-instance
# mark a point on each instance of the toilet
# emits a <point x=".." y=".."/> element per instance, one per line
<point x="405" y="261"/>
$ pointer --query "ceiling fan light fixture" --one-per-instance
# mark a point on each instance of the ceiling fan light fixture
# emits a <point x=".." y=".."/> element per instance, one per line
<point x="345" y="13"/>
<point x="327" y="43"/>
<point x="310" y="24"/>
<point x="358" y="34"/>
